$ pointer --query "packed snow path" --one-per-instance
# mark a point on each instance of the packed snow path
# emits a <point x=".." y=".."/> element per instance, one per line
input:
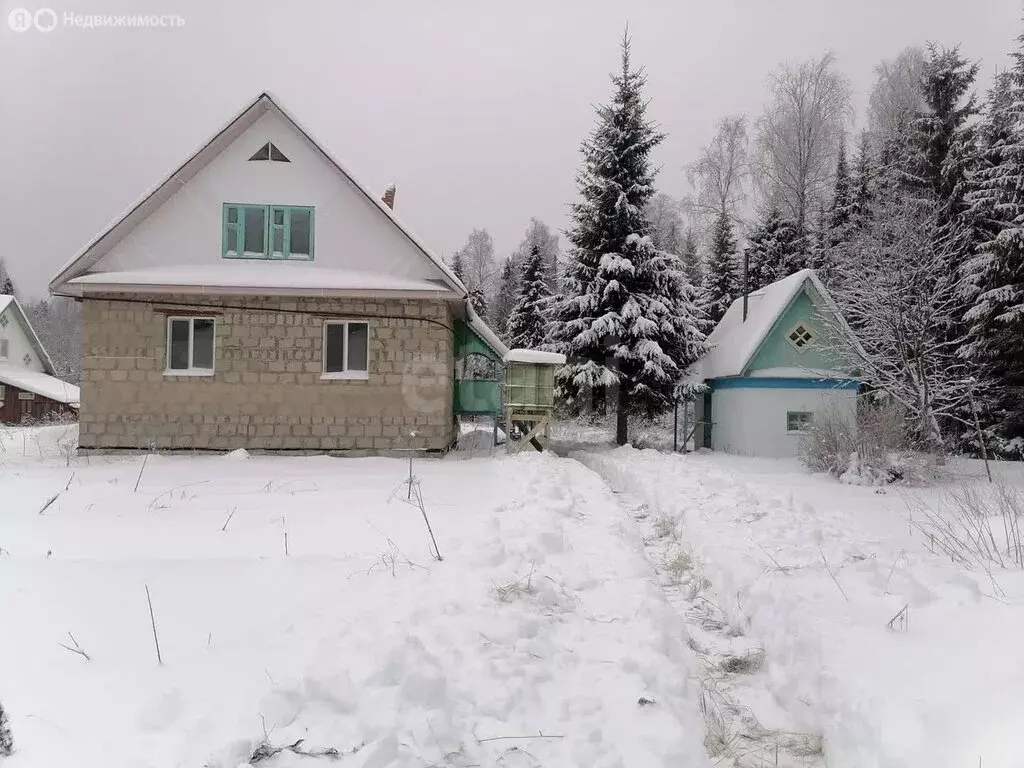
<point x="814" y="573"/>
<point x="744" y="726"/>
<point x="542" y="639"/>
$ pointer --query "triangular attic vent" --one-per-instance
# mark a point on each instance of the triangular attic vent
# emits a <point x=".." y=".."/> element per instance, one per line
<point x="269" y="152"/>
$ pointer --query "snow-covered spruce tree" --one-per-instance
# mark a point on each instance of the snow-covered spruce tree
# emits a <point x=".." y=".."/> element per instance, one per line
<point x="527" y="323"/>
<point x="7" y="287"/>
<point x="613" y="319"/>
<point x="773" y="250"/>
<point x="690" y="255"/>
<point x="996" y="273"/>
<point x="722" y="280"/>
<point x="688" y="319"/>
<point x="478" y="300"/>
<point x="941" y="159"/>
<point x="941" y="144"/>
<point x="6" y="738"/>
<point x="996" y="134"/>
<point x="834" y="227"/>
<point x="505" y="298"/>
<point x="949" y="105"/>
<point x="862" y="183"/>
<point x="458" y="266"/>
<point x="540" y="235"/>
<point x="817" y="255"/>
<point x="840" y="213"/>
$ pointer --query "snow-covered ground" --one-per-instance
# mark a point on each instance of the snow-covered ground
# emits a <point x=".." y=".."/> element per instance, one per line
<point x="543" y="638"/>
<point x="943" y="688"/>
<point x="709" y="611"/>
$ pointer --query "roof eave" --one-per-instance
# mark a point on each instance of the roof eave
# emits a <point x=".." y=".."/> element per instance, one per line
<point x="156" y="196"/>
<point x="85" y="289"/>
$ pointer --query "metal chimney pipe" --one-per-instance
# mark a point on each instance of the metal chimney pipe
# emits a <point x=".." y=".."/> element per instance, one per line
<point x="746" y="283"/>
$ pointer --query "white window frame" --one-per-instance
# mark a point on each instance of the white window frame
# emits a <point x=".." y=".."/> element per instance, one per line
<point x="3" y="391"/>
<point x="809" y="423"/>
<point x="3" y="320"/>
<point x="26" y="395"/>
<point x="345" y="374"/>
<point x="191" y="370"/>
<point x="5" y="349"/>
<point x="808" y="344"/>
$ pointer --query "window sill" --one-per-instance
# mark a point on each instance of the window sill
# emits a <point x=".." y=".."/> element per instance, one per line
<point x="265" y="257"/>
<point x="345" y="376"/>
<point x="797" y="432"/>
<point x="191" y="374"/>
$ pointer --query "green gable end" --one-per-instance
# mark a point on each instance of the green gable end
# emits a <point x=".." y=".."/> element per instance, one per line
<point x="777" y="351"/>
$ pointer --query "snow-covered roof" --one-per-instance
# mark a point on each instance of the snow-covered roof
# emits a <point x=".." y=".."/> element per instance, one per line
<point x="734" y="341"/>
<point x="534" y="356"/>
<point x="6" y="300"/>
<point x="40" y="383"/>
<point x="283" y="277"/>
<point x="481" y="329"/>
<point x="153" y="199"/>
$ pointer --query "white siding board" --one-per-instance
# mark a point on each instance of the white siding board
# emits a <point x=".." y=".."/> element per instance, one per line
<point x="19" y="342"/>
<point x="752" y="421"/>
<point x="350" y="231"/>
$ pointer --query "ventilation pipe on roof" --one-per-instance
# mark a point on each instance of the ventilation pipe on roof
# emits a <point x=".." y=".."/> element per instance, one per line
<point x="746" y="283"/>
<point x="389" y="197"/>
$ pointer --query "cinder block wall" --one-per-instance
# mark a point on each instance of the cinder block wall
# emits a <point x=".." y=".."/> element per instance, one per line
<point x="266" y="391"/>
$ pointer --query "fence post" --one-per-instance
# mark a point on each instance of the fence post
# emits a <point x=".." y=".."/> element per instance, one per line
<point x="675" y="424"/>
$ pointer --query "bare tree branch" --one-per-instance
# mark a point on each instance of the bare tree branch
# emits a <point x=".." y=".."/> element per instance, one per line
<point x="721" y="171"/>
<point x="799" y="134"/>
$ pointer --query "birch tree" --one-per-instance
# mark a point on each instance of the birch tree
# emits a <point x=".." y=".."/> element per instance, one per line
<point x="896" y="98"/>
<point x="721" y="171"/>
<point x="799" y="134"/>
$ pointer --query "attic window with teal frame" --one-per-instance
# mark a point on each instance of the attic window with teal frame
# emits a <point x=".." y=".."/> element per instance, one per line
<point x="801" y="337"/>
<point x="267" y="232"/>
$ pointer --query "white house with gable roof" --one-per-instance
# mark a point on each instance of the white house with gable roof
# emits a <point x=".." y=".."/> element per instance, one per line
<point x="260" y="297"/>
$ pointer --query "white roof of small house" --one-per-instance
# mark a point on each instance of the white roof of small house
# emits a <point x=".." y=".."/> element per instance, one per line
<point x="8" y="301"/>
<point x="40" y="383"/>
<point x="534" y="356"/>
<point x="734" y="341"/>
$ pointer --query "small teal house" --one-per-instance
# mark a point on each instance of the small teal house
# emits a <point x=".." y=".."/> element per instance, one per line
<point x="772" y="367"/>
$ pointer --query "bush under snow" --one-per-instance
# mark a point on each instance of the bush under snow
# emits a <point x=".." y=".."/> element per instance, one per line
<point x="871" y="449"/>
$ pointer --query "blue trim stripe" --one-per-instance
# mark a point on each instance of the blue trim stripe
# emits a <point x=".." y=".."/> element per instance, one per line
<point x="758" y="382"/>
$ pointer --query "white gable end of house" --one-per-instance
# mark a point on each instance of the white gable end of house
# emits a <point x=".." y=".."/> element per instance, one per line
<point x="19" y="345"/>
<point x="178" y="229"/>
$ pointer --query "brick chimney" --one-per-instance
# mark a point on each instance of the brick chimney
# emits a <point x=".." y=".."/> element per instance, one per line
<point x="389" y="197"/>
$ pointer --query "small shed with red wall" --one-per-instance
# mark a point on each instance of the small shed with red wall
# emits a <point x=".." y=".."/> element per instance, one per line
<point x="20" y="402"/>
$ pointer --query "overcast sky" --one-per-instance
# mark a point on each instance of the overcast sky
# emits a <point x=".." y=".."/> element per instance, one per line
<point x="475" y="109"/>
